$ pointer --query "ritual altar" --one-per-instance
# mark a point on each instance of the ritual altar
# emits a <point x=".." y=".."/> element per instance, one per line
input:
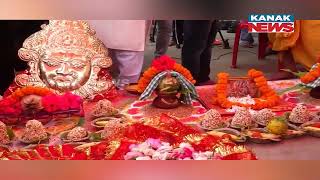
<point x="66" y="107"/>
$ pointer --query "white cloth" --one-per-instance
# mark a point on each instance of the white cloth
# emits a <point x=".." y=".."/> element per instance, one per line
<point x="129" y="64"/>
<point x="127" y="35"/>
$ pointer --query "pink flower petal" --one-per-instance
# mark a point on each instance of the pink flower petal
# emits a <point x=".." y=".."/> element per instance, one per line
<point x="133" y="111"/>
<point x="201" y="110"/>
<point x="195" y="103"/>
<point x="141" y="103"/>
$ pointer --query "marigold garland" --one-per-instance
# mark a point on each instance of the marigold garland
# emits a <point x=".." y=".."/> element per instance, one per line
<point x="159" y="65"/>
<point x="311" y="75"/>
<point x="30" y="90"/>
<point x="268" y="98"/>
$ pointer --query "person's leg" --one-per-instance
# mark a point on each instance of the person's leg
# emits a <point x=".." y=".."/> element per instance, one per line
<point x="205" y="57"/>
<point x="153" y="32"/>
<point x="179" y="33"/>
<point x="246" y="38"/>
<point x="173" y="38"/>
<point x="195" y="42"/>
<point x="129" y="64"/>
<point x="232" y="27"/>
<point x="163" y="37"/>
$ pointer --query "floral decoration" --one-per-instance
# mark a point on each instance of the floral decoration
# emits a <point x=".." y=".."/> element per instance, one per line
<point x="30" y="90"/>
<point x="68" y="101"/>
<point x="312" y="75"/>
<point x="10" y="106"/>
<point x="154" y="149"/>
<point x="163" y="63"/>
<point x="268" y="97"/>
<point x="50" y="102"/>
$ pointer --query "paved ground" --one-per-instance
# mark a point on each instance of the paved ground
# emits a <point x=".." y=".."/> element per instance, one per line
<point x="221" y="60"/>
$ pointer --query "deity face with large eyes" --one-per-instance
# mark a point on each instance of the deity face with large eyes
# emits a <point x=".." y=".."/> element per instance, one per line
<point x="66" y="56"/>
<point x="65" y="70"/>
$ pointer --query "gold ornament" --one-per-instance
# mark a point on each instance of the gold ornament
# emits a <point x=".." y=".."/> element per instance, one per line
<point x="65" y="56"/>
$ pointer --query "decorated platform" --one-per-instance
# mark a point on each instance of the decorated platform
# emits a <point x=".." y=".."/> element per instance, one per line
<point x="66" y="107"/>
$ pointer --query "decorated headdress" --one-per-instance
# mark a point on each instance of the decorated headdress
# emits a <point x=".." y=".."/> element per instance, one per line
<point x="63" y="36"/>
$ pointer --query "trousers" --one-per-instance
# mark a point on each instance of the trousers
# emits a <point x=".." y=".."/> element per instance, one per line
<point x="197" y="47"/>
<point x="163" y="37"/>
<point x="129" y="65"/>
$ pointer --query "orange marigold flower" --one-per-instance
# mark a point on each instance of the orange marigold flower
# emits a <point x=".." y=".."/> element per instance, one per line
<point x="315" y="73"/>
<point x="160" y="64"/>
<point x="268" y="96"/>
<point x="254" y="73"/>
<point x="260" y="79"/>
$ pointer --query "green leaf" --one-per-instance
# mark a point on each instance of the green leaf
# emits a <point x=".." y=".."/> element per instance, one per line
<point x="63" y="135"/>
<point x="296" y="87"/>
<point x="298" y="74"/>
<point x="10" y="133"/>
<point x="185" y="91"/>
<point x="95" y="137"/>
<point x="81" y="122"/>
<point x="165" y="88"/>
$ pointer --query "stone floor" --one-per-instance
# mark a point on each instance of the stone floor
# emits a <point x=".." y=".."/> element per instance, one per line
<point x="300" y="148"/>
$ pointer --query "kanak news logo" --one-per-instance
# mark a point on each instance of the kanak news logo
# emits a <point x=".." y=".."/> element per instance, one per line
<point x="271" y="23"/>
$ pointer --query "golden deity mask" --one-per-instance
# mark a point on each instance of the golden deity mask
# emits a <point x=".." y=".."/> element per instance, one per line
<point x="65" y="56"/>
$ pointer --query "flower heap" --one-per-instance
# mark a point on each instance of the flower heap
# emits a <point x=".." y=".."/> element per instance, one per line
<point x="154" y="149"/>
<point x="41" y="98"/>
<point x="104" y="150"/>
<point x="68" y="101"/>
<point x="11" y="105"/>
<point x="268" y="97"/>
<point x="163" y="63"/>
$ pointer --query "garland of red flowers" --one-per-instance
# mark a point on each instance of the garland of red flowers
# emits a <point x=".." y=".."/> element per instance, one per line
<point x="268" y="98"/>
<point x="159" y="65"/>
